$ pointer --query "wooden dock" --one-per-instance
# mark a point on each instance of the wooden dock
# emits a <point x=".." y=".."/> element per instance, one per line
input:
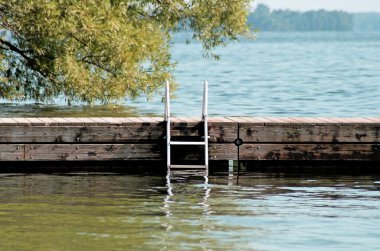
<point x="143" y="138"/>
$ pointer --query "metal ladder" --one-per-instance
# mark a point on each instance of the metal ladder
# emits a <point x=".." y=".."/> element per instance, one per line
<point x="170" y="143"/>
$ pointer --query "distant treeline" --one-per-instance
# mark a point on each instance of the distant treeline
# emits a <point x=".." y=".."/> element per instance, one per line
<point x="366" y="21"/>
<point x="285" y="20"/>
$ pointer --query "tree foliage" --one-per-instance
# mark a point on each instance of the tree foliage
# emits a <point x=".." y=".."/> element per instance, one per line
<point x="286" y="20"/>
<point x="103" y="50"/>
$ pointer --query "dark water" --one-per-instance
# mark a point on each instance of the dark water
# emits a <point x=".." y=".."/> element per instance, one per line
<point x="125" y="212"/>
<point x="278" y="74"/>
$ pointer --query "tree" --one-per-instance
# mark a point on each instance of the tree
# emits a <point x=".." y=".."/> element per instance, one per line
<point x="103" y="50"/>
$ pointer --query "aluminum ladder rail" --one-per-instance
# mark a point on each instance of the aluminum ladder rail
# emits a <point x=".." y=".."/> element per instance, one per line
<point x="170" y="143"/>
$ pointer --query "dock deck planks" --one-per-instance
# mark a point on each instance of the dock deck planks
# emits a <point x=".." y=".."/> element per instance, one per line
<point x="143" y="138"/>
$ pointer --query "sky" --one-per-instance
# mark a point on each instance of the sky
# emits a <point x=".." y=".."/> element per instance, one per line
<point x="304" y="5"/>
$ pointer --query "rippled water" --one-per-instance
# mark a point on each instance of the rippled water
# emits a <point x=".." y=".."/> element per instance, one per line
<point x="252" y="212"/>
<point x="278" y="74"/>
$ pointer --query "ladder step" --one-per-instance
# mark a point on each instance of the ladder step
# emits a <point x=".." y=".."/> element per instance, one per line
<point x="187" y="143"/>
<point x="188" y="167"/>
<point x="188" y="172"/>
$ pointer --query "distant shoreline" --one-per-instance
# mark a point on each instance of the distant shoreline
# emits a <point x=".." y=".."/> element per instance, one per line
<point x="265" y="19"/>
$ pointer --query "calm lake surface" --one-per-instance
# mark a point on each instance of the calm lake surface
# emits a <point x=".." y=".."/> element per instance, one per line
<point x="125" y="212"/>
<point x="278" y="74"/>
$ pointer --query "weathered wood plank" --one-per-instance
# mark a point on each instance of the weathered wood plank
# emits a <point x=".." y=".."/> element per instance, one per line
<point x="84" y="121"/>
<point x="49" y="121"/>
<point x="110" y="152"/>
<point x="106" y="152"/>
<point x="36" y="122"/>
<point x="329" y="121"/>
<point x="223" y="151"/>
<point x="132" y="121"/>
<point x="2" y="122"/>
<point x="346" y="122"/>
<point x="309" y="152"/>
<point x="194" y="120"/>
<point x="310" y="133"/>
<point x="375" y="120"/>
<point x="151" y="120"/>
<point x="176" y="120"/>
<point x="277" y="121"/>
<point x="313" y="121"/>
<point x="22" y="121"/>
<point x="189" y="121"/>
<point x="159" y="119"/>
<point x="218" y="132"/>
<point x="10" y="152"/>
<point x="180" y="119"/>
<point x="298" y="121"/>
<point x="223" y="132"/>
<point x="114" y="121"/>
<point x="62" y="121"/>
<point x="75" y="121"/>
<point x="91" y="152"/>
<point x="362" y="121"/>
<point x="257" y="121"/>
<point x="9" y="121"/>
<point x="237" y="119"/>
<point x="220" y="119"/>
<point x="100" y="122"/>
<point x="72" y="134"/>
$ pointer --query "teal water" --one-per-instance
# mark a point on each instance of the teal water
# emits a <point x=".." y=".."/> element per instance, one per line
<point x="284" y="74"/>
<point x="250" y="212"/>
<point x="278" y="74"/>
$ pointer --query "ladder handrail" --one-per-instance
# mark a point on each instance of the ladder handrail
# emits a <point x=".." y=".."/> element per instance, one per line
<point x="205" y="121"/>
<point x="205" y="100"/>
<point x="167" y="119"/>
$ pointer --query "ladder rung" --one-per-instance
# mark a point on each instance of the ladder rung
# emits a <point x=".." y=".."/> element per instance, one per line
<point x="188" y="166"/>
<point x="187" y="143"/>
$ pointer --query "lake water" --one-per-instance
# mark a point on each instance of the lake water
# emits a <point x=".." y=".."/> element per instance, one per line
<point x="125" y="212"/>
<point x="278" y="74"/>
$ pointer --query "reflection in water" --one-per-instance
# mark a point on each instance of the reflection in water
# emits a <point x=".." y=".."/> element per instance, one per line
<point x="188" y="211"/>
<point x="201" y="192"/>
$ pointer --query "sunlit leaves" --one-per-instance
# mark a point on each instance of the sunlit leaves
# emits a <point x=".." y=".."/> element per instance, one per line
<point x="102" y="50"/>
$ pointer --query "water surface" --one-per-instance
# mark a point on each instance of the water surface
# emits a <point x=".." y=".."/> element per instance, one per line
<point x="126" y="212"/>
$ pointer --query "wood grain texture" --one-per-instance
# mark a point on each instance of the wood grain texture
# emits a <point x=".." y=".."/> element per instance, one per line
<point x="329" y="152"/>
<point x="108" y="152"/>
<point x="220" y="119"/>
<point x="72" y="134"/>
<point x="49" y="121"/>
<point x="109" y="134"/>
<point x="223" y="152"/>
<point x="36" y="122"/>
<point x="143" y="138"/>
<point x="90" y="152"/>
<point x="100" y="122"/>
<point x="264" y="152"/>
<point x="9" y="122"/>
<point x="310" y="133"/>
<point x="10" y="152"/>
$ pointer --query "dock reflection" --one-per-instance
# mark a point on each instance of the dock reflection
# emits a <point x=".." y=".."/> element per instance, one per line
<point x="182" y="198"/>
